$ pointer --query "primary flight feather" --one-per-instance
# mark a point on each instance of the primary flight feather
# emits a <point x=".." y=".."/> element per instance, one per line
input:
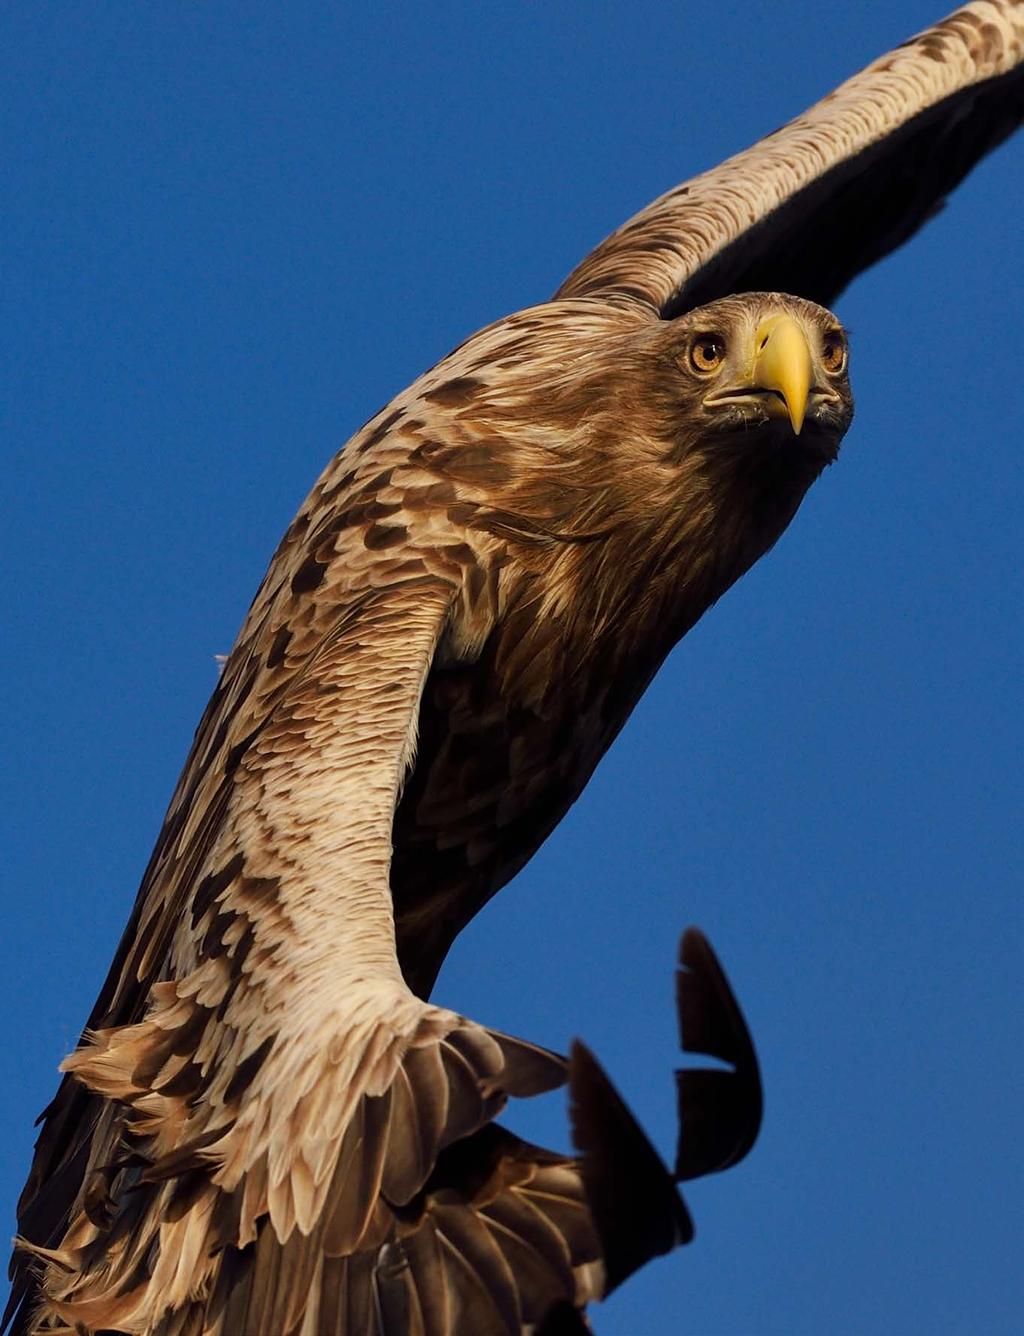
<point x="453" y="630"/>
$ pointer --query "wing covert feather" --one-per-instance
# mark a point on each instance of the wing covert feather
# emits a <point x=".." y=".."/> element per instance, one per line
<point x="806" y="209"/>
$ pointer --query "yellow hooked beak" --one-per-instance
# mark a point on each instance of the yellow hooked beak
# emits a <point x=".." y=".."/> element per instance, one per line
<point x="782" y="362"/>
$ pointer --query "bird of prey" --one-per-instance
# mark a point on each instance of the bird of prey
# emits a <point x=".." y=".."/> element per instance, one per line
<point x="266" y="1107"/>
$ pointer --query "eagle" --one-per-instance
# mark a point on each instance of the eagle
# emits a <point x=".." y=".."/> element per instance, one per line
<point x="268" y="1127"/>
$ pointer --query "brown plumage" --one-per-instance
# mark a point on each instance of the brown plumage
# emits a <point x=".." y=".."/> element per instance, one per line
<point x="453" y="630"/>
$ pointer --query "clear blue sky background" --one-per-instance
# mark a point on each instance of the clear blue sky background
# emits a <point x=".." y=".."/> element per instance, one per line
<point x="230" y="233"/>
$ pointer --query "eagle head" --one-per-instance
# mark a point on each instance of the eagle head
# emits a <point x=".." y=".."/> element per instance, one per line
<point x="764" y="367"/>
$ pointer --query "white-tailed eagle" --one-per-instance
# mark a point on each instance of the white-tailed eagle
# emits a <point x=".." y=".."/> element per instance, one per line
<point x="268" y="1128"/>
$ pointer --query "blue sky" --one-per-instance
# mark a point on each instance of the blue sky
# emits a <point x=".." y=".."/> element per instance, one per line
<point x="230" y="234"/>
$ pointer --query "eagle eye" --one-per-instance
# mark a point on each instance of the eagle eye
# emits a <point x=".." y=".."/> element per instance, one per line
<point x="833" y="352"/>
<point x="707" y="353"/>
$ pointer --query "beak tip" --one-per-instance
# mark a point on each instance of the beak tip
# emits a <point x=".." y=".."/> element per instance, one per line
<point x="783" y="364"/>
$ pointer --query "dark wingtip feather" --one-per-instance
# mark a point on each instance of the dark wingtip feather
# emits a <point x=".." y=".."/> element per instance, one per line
<point x="564" y="1319"/>
<point x="636" y="1209"/>
<point x="719" y="1111"/>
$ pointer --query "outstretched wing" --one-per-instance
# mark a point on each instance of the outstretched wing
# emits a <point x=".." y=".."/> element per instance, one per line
<point x="809" y="207"/>
<point x="256" y="1065"/>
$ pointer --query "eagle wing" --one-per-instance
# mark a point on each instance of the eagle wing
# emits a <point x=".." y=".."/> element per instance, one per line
<point x="806" y="209"/>
<point x="256" y="1071"/>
